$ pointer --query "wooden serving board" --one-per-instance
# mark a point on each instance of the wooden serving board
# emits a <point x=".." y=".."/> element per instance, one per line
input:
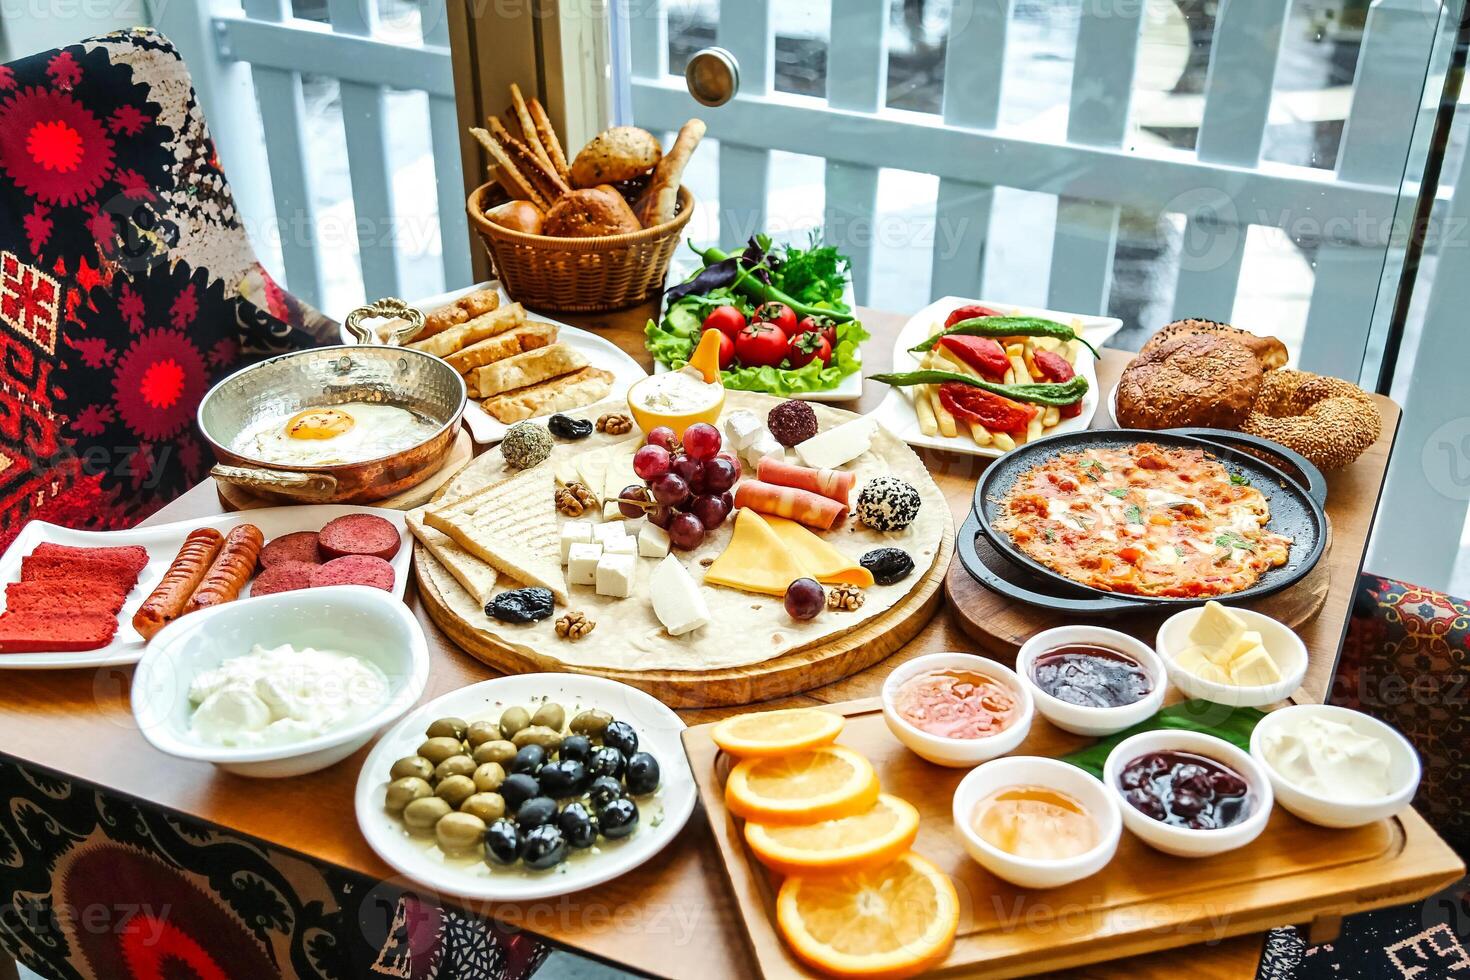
<point x="1142" y="901"/>
<point x="822" y="663"/>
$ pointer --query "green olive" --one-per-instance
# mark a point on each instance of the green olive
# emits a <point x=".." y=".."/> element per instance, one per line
<point x="481" y="732"/>
<point x="423" y="813"/>
<point x="439" y="748"/>
<point x="411" y="765"/>
<point x="489" y="777"/>
<point x="458" y="832"/>
<point x="402" y="792"/>
<point x="513" y="720"/>
<point x="537" y="735"/>
<point x="549" y="715"/>
<point x="455" y="765"/>
<point x="489" y="807"/>
<point x="499" y="751"/>
<point x="447" y="728"/>
<point x="455" y="789"/>
<point x="591" y="722"/>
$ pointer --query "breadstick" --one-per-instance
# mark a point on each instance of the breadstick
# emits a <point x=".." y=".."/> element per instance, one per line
<point x="529" y="136"/>
<point x="510" y="178"/>
<point x="231" y="569"/>
<point x="166" y="602"/>
<point x="547" y="134"/>
<point x="541" y="176"/>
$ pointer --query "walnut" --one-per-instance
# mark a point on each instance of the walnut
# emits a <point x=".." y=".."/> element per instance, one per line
<point x="573" y="499"/>
<point x="614" y="423"/>
<point x="574" y="626"/>
<point x="845" y="597"/>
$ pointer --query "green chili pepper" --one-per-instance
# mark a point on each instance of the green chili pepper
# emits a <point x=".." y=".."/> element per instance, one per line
<point x="763" y="292"/>
<point x="1008" y="326"/>
<point x="1037" y="394"/>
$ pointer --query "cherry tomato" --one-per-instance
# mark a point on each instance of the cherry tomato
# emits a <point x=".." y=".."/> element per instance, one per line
<point x="780" y="314"/>
<point x="804" y="347"/>
<point x="822" y="325"/>
<point x="728" y="320"/>
<point x="970" y="312"/>
<point x="727" y="346"/>
<point x="761" y="344"/>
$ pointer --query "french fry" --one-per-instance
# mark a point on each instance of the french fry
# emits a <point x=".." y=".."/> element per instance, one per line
<point x="947" y="426"/>
<point x="1010" y="377"/>
<point x="1052" y="416"/>
<point x="928" y="424"/>
<point x="1030" y="360"/>
<point x="946" y="361"/>
<point x="1004" y="442"/>
<point x="980" y="434"/>
<point x="1033" y="428"/>
<point x="1023" y="376"/>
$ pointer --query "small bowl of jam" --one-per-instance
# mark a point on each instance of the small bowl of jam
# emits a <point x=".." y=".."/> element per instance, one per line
<point x="1188" y="793"/>
<point x="956" y="709"/>
<point x="1091" y="680"/>
<point x="1036" y="822"/>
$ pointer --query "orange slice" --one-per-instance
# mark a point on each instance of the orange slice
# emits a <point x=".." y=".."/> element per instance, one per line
<point x="824" y="783"/>
<point x="766" y="733"/>
<point x="895" y="921"/>
<point x="869" y="839"/>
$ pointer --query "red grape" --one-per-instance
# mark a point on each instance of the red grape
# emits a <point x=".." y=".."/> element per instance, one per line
<point x="734" y="460"/>
<point x="805" y="598"/>
<point x="651" y="461"/>
<point x="729" y="499"/>
<point x="660" y="516"/>
<point x="710" y="510"/>
<point x="702" y="440"/>
<point x="687" y="469"/>
<point x="670" y="489"/>
<point x="686" y="532"/>
<point x="719" y="475"/>
<point x="633" y="492"/>
<point x="663" y="437"/>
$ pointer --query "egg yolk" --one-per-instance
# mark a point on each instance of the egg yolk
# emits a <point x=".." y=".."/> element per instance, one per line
<point x="319" y="423"/>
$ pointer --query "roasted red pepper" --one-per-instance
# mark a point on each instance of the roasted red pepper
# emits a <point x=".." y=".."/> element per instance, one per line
<point x="968" y="313"/>
<point x="982" y="353"/>
<point x="992" y="411"/>
<point x="1054" y="367"/>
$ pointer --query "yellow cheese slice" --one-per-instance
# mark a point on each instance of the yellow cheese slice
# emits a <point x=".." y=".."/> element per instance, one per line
<point x="828" y="565"/>
<point x="755" y="560"/>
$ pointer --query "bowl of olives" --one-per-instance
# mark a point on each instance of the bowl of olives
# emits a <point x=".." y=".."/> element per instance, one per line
<point x="526" y="787"/>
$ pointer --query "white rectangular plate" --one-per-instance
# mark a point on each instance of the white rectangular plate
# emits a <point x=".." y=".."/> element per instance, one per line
<point x="600" y="353"/>
<point x="896" y="412"/>
<point x="162" y="542"/>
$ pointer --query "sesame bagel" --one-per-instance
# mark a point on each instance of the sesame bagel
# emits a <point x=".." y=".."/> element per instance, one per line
<point x="1328" y="420"/>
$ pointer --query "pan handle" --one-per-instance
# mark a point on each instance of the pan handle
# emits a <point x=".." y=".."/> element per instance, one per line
<point x="980" y="572"/>
<point x="388" y="306"/>
<point x="1294" y="464"/>
<point x="311" y="487"/>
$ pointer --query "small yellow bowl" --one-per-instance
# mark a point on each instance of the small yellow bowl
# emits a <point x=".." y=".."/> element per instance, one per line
<point x="648" y="420"/>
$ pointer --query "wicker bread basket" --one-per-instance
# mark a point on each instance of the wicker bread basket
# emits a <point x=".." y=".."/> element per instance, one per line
<point x="578" y="275"/>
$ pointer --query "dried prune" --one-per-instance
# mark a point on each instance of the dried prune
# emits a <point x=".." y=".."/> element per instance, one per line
<point x="888" y="565"/>
<point x="520" y="605"/>
<point x="566" y="427"/>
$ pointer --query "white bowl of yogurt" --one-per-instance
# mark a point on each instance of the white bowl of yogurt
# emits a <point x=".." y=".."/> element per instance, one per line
<point x="284" y="685"/>
<point x="1335" y="767"/>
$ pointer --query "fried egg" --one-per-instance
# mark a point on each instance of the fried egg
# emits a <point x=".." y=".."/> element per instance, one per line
<point x="329" y="434"/>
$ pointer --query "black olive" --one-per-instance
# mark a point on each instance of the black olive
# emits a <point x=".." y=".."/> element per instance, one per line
<point x="642" y="774"/>
<point x="520" y="605"/>
<point x="604" y="790"/>
<point x="888" y="565"/>
<point x="566" y="427"/>
<point x="576" y="825"/>
<point x="502" y="842"/>
<point x="620" y="735"/>
<point x="529" y="759"/>
<point x="575" y="747"/>
<point x="543" y="847"/>
<point x="607" y="761"/>
<point x="568" y="777"/>
<point x="618" y="819"/>
<point x="518" y="788"/>
<point x="535" y="812"/>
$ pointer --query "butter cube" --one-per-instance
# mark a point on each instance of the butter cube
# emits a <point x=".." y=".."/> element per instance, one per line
<point x="1249" y="640"/>
<point x="1217" y="628"/>
<point x="615" y="575"/>
<point x="582" y="561"/>
<point x="1196" y="661"/>
<point x="1254" y="668"/>
<point x="574" y="532"/>
<point x="624" y="545"/>
<point x="653" y="541"/>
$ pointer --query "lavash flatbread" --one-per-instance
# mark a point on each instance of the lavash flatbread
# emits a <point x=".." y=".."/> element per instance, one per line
<point x="744" y="628"/>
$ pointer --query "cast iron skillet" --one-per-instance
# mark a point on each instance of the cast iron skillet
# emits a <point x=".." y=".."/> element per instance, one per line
<point x="1294" y="489"/>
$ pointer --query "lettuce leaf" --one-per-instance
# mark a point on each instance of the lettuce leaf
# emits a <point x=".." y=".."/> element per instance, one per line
<point x="1234" y="725"/>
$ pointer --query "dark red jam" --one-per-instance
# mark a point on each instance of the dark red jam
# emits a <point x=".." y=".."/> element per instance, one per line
<point x="1091" y="676"/>
<point x="1186" y="790"/>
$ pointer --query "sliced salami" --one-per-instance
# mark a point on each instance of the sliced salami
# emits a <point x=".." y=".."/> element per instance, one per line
<point x="296" y="546"/>
<point x="359" y="534"/>
<point x="283" y="576"/>
<point x="355" y="570"/>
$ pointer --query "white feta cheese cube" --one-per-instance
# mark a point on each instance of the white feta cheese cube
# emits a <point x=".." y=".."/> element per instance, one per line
<point x="582" y="562"/>
<point x="653" y="541"/>
<point x="764" y="445"/>
<point x="625" y="545"/>
<point x="615" y="575"/>
<point x="602" y="533"/>
<point x="573" y="532"/>
<point x="741" y="428"/>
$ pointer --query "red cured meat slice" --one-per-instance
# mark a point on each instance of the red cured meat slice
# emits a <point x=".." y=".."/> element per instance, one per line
<point x="132" y="557"/>
<point x="63" y="596"/>
<point x="35" y="632"/>
<point x="360" y="534"/>
<point x="355" y="570"/>
<point x="296" y="546"/>
<point x="286" y="576"/>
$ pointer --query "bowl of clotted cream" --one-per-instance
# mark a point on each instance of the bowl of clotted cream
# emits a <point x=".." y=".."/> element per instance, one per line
<point x="283" y="685"/>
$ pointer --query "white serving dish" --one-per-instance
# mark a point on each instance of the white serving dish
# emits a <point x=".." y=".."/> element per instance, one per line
<point x="1404" y="770"/>
<point x="957" y="753"/>
<point x="355" y="619"/>
<point x="1284" y="646"/>
<point x="1084" y="719"/>
<point x="1023" y="770"/>
<point x="600" y="353"/>
<point x="471" y="877"/>
<point x="162" y="542"/>
<point x="896" y="411"/>
<point x="1182" y="841"/>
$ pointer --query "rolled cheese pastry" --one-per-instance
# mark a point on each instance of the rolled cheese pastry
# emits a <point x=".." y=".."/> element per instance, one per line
<point x="833" y="484"/>
<point x="802" y="506"/>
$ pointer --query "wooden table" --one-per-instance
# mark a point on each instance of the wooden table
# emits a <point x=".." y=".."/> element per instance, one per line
<point x="674" y="912"/>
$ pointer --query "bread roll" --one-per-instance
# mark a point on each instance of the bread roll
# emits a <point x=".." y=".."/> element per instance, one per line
<point x="518" y="216"/>
<point x="616" y="154"/>
<point x="590" y="212"/>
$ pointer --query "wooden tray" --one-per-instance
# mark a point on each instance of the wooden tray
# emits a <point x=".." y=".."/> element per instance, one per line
<point x="1143" y="901"/>
<point x="800" y="670"/>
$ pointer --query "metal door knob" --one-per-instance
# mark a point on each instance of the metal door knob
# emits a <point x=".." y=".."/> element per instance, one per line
<point x="713" y="76"/>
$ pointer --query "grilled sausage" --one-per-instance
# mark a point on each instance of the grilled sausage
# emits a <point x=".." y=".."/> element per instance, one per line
<point x="166" y="602"/>
<point x="232" y="568"/>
